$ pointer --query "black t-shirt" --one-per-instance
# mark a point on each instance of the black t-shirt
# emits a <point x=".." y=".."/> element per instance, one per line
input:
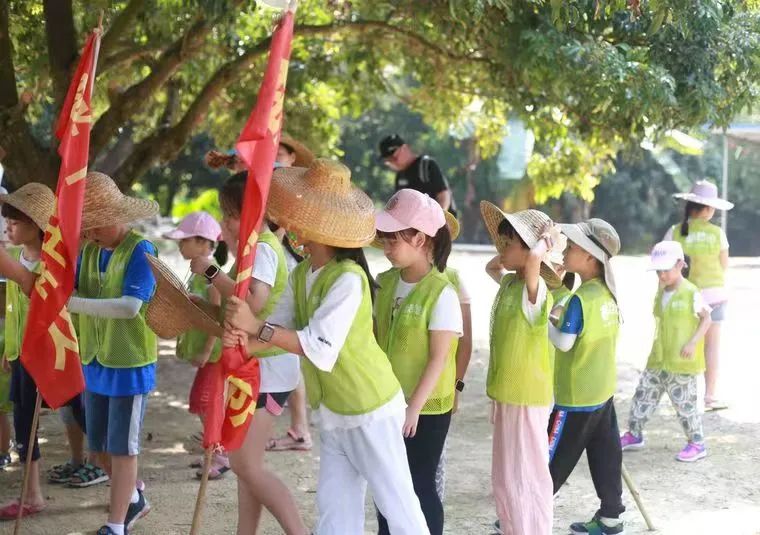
<point x="425" y="176"/>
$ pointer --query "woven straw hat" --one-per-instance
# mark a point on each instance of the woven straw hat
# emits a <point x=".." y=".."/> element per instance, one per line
<point x="451" y="222"/>
<point x="105" y="204"/>
<point x="529" y="224"/>
<point x="170" y="311"/>
<point x="600" y="240"/>
<point x="33" y="199"/>
<point x="304" y="157"/>
<point x="320" y="204"/>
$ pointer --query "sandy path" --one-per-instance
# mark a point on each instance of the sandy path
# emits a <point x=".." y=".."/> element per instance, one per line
<point x="717" y="495"/>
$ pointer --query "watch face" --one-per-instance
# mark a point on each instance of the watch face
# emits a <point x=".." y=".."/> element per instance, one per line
<point x="266" y="333"/>
<point x="211" y="271"/>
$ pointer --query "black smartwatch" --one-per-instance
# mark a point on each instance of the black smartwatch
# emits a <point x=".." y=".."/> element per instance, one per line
<point x="211" y="272"/>
<point x="265" y="333"/>
<point x="459" y="385"/>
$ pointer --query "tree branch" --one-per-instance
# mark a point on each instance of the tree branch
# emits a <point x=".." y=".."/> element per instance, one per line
<point x="125" y="56"/>
<point x="61" y="45"/>
<point x="120" y="24"/>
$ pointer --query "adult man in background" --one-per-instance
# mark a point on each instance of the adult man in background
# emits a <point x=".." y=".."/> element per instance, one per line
<point x="416" y="172"/>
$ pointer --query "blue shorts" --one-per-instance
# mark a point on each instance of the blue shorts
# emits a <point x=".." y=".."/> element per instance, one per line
<point x="114" y="423"/>
<point x="718" y="313"/>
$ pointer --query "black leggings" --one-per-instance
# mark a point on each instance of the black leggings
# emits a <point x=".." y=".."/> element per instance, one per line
<point x="424" y="453"/>
<point x="24" y="397"/>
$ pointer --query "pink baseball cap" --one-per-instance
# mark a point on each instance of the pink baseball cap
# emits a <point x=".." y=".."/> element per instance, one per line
<point x="665" y="255"/>
<point x="197" y="224"/>
<point x="409" y="208"/>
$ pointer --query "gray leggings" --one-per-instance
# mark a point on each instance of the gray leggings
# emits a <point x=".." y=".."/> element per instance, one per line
<point x="682" y="391"/>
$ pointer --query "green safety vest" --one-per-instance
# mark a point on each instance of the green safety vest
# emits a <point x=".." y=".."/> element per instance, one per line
<point x="192" y="343"/>
<point x="115" y="343"/>
<point x="405" y="338"/>
<point x="362" y="379"/>
<point x="520" y="366"/>
<point x="674" y="327"/>
<point x="17" y="310"/>
<point x="702" y="246"/>
<point x="586" y="375"/>
<point x="561" y="295"/>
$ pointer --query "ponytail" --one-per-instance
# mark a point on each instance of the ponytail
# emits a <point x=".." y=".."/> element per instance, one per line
<point x="569" y="280"/>
<point x="687" y="268"/>
<point x="221" y="253"/>
<point x="357" y="255"/>
<point x="217" y="160"/>
<point x="691" y="208"/>
<point x="441" y="247"/>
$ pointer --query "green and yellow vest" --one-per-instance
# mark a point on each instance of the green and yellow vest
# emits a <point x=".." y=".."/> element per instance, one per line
<point x="362" y="379"/>
<point x="520" y="367"/>
<point x="702" y="246"/>
<point x="586" y="375"/>
<point x="674" y="327"/>
<point x="561" y="295"/>
<point x="115" y="343"/>
<point x="405" y="338"/>
<point x="192" y="343"/>
<point x="16" y="312"/>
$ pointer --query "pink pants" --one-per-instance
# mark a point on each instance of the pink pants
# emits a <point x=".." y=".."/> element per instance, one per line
<point x="522" y="484"/>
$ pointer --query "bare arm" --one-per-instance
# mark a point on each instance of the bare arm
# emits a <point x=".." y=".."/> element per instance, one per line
<point x="533" y="264"/>
<point x="15" y="271"/>
<point x="495" y="270"/>
<point x="215" y="299"/>
<point x="444" y="198"/>
<point x="724" y="259"/>
<point x="464" y="350"/>
<point x="704" y="324"/>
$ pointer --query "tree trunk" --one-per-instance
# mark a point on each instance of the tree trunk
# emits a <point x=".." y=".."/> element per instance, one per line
<point x="471" y="208"/>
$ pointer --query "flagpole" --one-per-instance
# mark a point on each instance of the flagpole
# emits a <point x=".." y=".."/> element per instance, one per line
<point x="27" y="464"/>
<point x="201" y="497"/>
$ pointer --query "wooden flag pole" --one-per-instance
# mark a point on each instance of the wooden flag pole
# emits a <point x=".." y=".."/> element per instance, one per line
<point x="200" y="498"/>
<point x="28" y="463"/>
<point x="637" y="498"/>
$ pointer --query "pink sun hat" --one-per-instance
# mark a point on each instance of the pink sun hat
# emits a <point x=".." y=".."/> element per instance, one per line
<point x="409" y="208"/>
<point x="196" y="225"/>
<point x="706" y="193"/>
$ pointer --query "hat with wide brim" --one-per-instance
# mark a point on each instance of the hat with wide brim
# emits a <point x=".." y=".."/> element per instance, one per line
<point x="451" y="222"/>
<point x="706" y="193"/>
<point x="589" y="236"/>
<point x="320" y="204"/>
<point x="33" y="199"/>
<point x="171" y="312"/>
<point x="106" y="205"/>
<point x="529" y="224"/>
<point x="304" y="157"/>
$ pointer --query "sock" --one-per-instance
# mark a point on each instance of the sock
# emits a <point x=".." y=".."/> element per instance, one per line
<point x="118" y="529"/>
<point x="135" y="496"/>
<point x="610" y="522"/>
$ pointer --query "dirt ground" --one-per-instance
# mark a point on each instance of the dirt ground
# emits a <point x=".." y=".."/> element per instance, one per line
<point x="718" y="495"/>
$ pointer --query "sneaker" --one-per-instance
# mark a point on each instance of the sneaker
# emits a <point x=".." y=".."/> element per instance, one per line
<point x="629" y="441"/>
<point x="497" y="527"/>
<point x="136" y="511"/>
<point x="5" y="460"/>
<point x="692" y="452"/>
<point x="598" y="526"/>
<point x="105" y="530"/>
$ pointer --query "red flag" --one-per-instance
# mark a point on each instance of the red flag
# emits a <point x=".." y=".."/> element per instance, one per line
<point x="257" y="147"/>
<point x="50" y="350"/>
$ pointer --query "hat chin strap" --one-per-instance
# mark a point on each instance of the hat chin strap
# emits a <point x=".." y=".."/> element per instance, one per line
<point x="599" y="244"/>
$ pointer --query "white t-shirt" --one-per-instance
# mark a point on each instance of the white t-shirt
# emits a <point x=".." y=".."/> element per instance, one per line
<point x="711" y="296"/>
<point x="446" y="314"/>
<point x="280" y="373"/>
<point x="532" y="311"/>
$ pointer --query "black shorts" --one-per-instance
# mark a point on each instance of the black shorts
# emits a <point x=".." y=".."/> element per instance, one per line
<point x="273" y="402"/>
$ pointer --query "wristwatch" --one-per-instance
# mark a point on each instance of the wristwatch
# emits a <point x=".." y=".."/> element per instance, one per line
<point x="265" y="333"/>
<point x="459" y="385"/>
<point x="211" y="272"/>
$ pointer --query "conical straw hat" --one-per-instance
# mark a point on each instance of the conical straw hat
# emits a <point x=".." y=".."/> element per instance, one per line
<point x="529" y="224"/>
<point x="320" y="204"/>
<point x="105" y="204"/>
<point x="304" y="157"/>
<point x="170" y="311"/>
<point x="33" y="199"/>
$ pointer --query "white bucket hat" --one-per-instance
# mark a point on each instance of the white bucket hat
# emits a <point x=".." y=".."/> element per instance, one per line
<point x="706" y="193"/>
<point x="600" y="240"/>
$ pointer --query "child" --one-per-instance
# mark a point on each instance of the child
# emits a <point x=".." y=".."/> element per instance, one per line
<point x="258" y="487"/>
<point x="585" y="375"/>
<point x="349" y="380"/>
<point x="118" y="350"/>
<point x="677" y="356"/>
<point x="707" y="247"/>
<point x="418" y="320"/>
<point x="519" y="377"/>
<point x="197" y="234"/>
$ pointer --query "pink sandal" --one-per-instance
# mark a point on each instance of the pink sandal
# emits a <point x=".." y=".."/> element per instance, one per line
<point x="290" y="442"/>
<point x="220" y="465"/>
<point x="10" y="511"/>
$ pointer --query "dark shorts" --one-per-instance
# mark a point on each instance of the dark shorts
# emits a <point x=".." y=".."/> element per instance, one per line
<point x="718" y="313"/>
<point x="273" y="402"/>
<point x="114" y="423"/>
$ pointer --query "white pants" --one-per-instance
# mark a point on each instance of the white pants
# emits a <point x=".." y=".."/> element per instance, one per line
<point x="373" y="453"/>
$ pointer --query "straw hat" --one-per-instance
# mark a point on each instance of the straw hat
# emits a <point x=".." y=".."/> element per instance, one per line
<point x="706" y="193"/>
<point x="600" y="240"/>
<point x="33" y="199"/>
<point x="171" y="312"/>
<point x="304" y="157"/>
<point x="320" y="204"/>
<point x="529" y="224"/>
<point x="105" y="204"/>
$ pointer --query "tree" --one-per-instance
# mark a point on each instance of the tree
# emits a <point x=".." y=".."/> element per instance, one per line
<point x="588" y="76"/>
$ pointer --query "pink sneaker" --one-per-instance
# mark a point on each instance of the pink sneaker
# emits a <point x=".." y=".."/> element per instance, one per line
<point x="692" y="452"/>
<point x="629" y="441"/>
